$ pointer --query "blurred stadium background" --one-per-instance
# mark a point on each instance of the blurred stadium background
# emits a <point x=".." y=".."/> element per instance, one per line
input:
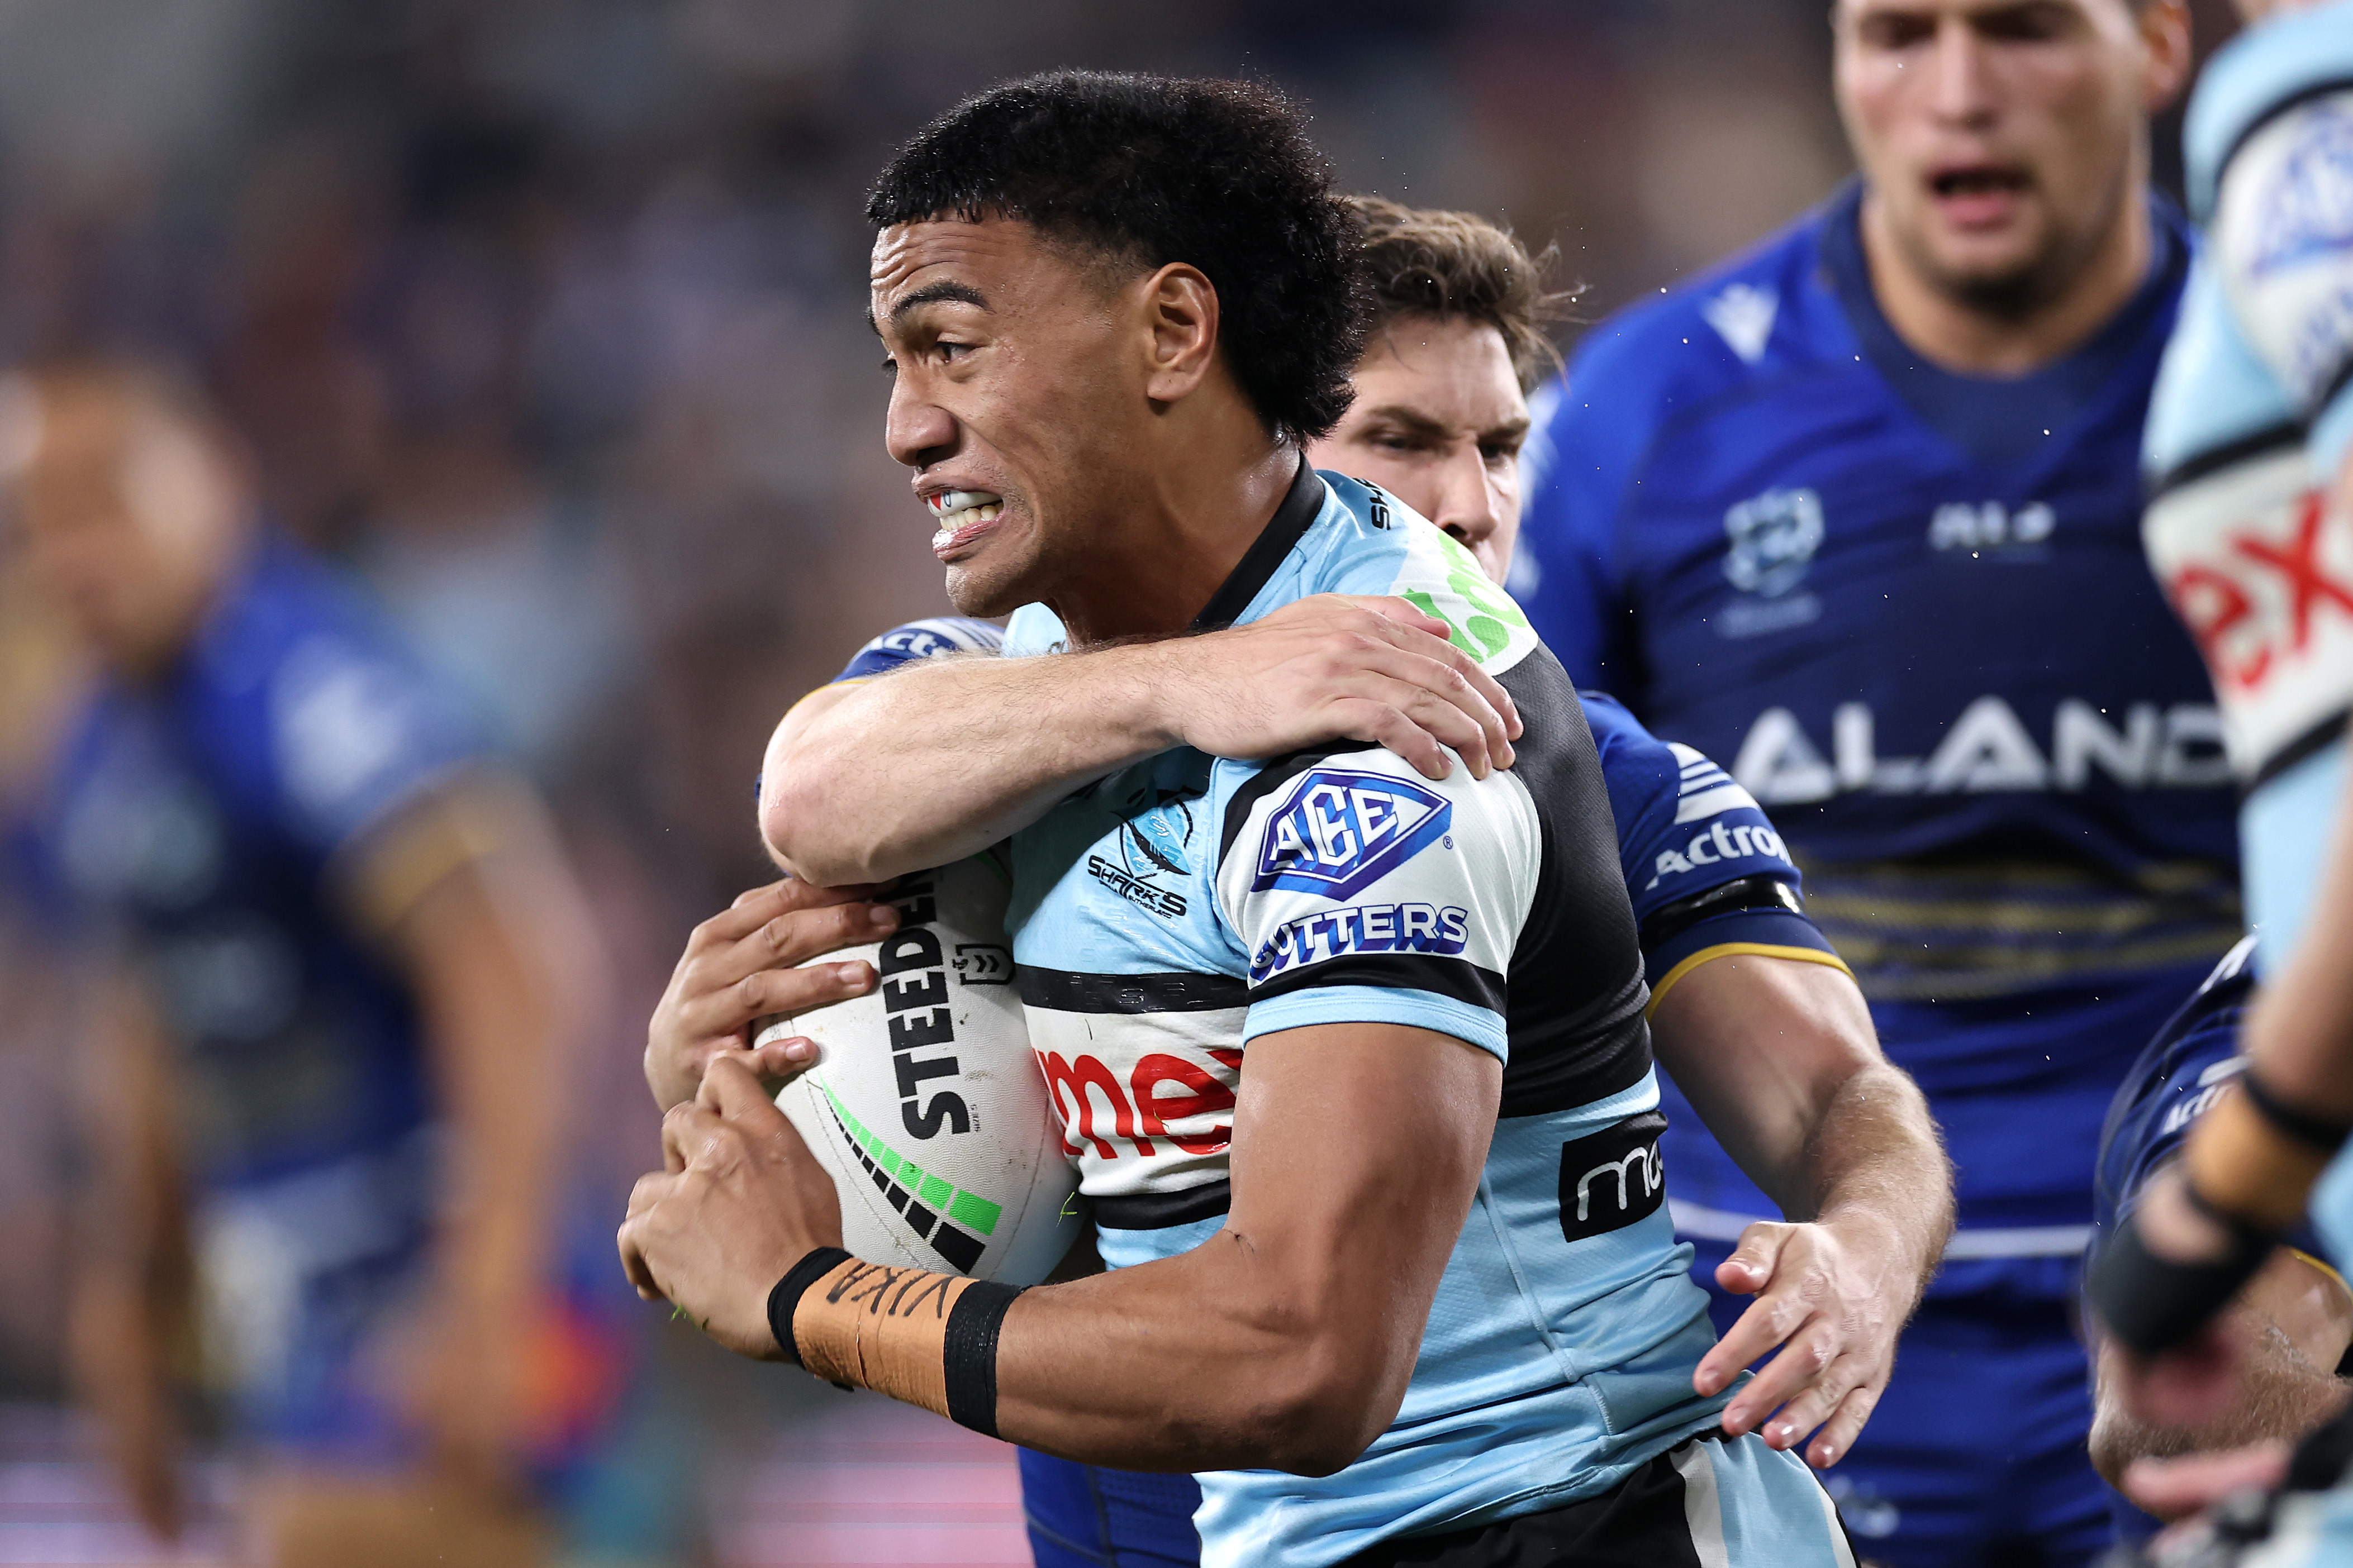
<point x="544" y="316"/>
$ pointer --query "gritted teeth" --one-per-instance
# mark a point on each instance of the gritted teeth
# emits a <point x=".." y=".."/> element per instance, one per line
<point x="956" y="510"/>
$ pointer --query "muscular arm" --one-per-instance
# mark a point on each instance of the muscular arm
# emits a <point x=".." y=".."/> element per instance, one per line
<point x="945" y="757"/>
<point x="1284" y="1342"/>
<point x="1779" y="1058"/>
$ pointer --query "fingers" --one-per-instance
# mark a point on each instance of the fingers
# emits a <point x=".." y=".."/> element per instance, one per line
<point x="731" y="1091"/>
<point x="1751" y="1268"/>
<point x="779" y="1062"/>
<point x="1807" y="1348"/>
<point x="642" y="1197"/>
<point x="1436" y="642"/>
<point x="1768" y="1321"/>
<point x="1836" y="1439"/>
<point x="755" y="907"/>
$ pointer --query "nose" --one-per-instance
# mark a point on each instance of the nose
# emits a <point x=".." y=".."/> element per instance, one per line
<point x="1467" y="505"/>
<point x="917" y="431"/>
<point x="1960" y="75"/>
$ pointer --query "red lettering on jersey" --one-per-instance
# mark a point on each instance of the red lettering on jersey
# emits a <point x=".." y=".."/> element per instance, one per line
<point x="2299" y="563"/>
<point x="1207" y="1097"/>
<point x="2212" y="605"/>
<point x="1077" y="1077"/>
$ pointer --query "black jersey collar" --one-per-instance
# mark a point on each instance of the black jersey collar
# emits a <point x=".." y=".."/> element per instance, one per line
<point x="1291" y="519"/>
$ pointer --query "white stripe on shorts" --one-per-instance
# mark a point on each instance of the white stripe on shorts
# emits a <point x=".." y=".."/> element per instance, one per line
<point x="1703" y="1508"/>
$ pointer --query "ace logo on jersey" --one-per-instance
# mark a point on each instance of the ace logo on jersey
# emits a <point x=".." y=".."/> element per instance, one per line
<point x="1339" y="831"/>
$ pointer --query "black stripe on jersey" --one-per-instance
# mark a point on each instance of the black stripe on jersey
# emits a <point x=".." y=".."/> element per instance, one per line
<point x="1067" y="991"/>
<point x="1576" y="984"/>
<point x="2313" y="740"/>
<point x="1158" y="1211"/>
<point x="2229" y="454"/>
<point x="2295" y="99"/>
<point x="1300" y="506"/>
<point x="1762" y="891"/>
<point x="1457" y="978"/>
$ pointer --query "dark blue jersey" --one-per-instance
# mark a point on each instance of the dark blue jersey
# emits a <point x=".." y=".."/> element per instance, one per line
<point x="213" y="821"/>
<point x="1908" y="611"/>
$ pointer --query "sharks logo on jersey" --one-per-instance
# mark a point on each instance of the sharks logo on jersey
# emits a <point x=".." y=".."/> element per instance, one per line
<point x="1339" y="831"/>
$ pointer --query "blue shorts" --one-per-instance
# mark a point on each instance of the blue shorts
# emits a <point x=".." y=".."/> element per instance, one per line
<point x="1083" y="1516"/>
<point x="1975" y="1456"/>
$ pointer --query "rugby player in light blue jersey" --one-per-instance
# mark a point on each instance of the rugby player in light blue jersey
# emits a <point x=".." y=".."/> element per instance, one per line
<point x="1857" y="514"/>
<point x="2250" y="527"/>
<point x="1398" y="1309"/>
<point x="1746" y="999"/>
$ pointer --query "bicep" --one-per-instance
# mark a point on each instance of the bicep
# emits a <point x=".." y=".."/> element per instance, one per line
<point x="1356" y="1150"/>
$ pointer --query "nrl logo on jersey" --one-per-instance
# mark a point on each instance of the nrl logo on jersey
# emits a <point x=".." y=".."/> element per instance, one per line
<point x="1773" y="540"/>
<point x="1339" y="831"/>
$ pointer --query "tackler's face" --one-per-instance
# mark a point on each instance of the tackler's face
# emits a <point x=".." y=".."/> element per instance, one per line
<point x="1009" y="398"/>
<point x="1999" y="137"/>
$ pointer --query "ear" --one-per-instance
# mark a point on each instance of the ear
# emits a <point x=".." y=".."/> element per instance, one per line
<point x="1180" y="311"/>
<point x="2165" y="33"/>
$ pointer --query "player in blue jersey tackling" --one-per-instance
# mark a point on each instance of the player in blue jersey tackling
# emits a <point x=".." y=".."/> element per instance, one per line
<point x="1105" y="402"/>
<point x="1858" y="514"/>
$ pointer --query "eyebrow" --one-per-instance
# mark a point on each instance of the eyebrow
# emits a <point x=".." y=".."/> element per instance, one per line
<point x="930" y="294"/>
<point x="1420" y="424"/>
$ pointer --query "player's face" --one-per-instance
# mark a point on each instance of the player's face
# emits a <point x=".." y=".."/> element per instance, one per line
<point x="1009" y="398"/>
<point x="126" y="520"/>
<point x="2000" y="138"/>
<point x="1439" y="422"/>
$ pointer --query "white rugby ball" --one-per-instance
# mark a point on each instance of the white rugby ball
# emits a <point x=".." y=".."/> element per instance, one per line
<point x="926" y="1104"/>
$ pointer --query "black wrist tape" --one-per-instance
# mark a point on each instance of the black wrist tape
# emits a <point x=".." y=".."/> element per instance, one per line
<point x="2152" y="1303"/>
<point x="786" y="1296"/>
<point x="2316" y="1131"/>
<point x="970" y="1355"/>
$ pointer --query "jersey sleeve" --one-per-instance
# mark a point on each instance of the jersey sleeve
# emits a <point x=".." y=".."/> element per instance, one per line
<point x="1562" y="573"/>
<point x="1686" y="830"/>
<point x="355" y="731"/>
<point x="1362" y="892"/>
<point x="2283" y="240"/>
<point x="933" y="639"/>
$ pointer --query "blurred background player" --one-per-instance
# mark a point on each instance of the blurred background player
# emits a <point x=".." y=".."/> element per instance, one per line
<point x="1858" y="513"/>
<point x="325" y="1090"/>
<point x="2251" y="529"/>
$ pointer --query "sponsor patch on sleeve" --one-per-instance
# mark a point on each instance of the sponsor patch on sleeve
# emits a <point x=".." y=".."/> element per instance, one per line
<point x="1338" y="830"/>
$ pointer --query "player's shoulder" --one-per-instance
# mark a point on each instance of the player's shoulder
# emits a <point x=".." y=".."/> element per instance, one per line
<point x="304" y="691"/>
<point x="1739" y="320"/>
<point x="2294" y="64"/>
<point x="2181" y="1072"/>
<point x="935" y="637"/>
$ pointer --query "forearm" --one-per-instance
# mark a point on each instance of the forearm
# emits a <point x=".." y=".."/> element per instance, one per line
<point x="1781" y="1061"/>
<point x="940" y="760"/>
<point x="1874" y="1162"/>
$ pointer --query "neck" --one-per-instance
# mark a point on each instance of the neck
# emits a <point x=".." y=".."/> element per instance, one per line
<point x="1957" y="335"/>
<point x="1177" y="527"/>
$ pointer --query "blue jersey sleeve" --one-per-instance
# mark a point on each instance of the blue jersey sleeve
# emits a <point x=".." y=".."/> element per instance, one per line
<point x="1684" y="829"/>
<point x="933" y="639"/>
<point x="347" y="727"/>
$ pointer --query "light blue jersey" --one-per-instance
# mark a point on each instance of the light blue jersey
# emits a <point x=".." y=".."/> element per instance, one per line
<point x="2249" y="428"/>
<point x="1180" y="909"/>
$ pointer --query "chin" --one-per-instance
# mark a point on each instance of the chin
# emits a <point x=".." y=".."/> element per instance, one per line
<point x="975" y="590"/>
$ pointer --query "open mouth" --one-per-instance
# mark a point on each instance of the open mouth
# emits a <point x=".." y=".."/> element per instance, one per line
<point x="1978" y="192"/>
<point x="961" y="513"/>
